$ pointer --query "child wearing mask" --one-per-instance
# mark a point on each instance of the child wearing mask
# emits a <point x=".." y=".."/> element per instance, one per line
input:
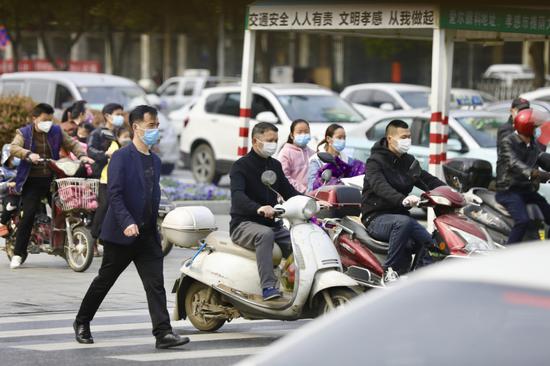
<point x="295" y="155"/>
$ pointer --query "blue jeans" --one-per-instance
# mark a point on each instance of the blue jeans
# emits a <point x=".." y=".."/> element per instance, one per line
<point x="405" y="237"/>
<point x="516" y="203"/>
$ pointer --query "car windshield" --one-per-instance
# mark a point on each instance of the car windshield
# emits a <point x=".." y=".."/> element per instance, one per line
<point x="319" y="108"/>
<point x="416" y="99"/>
<point x="483" y="128"/>
<point x="98" y="96"/>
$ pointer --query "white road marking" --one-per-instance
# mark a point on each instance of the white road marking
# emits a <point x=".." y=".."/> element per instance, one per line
<point x="106" y="328"/>
<point x="188" y="355"/>
<point x="138" y="341"/>
<point x="68" y="316"/>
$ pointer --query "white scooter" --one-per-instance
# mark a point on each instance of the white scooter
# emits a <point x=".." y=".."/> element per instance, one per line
<point x="221" y="282"/>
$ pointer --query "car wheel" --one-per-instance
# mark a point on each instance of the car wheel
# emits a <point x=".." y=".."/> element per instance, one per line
<point x="203" y="164"/>
<point x="167" y="169"/>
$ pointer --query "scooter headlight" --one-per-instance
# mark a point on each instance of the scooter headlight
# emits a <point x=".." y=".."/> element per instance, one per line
<point x="310" y="209"/>
<point x="473" y="243"/>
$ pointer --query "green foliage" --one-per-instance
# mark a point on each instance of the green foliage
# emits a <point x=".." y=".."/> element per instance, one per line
<point x="14" y="112"/>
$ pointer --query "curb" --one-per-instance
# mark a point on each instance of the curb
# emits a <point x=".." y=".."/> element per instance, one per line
<point x="221" y="207"/>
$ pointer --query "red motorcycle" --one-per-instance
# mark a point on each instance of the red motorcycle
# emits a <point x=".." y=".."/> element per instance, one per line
<point x="362" y="255"/>
<point x="61" y="226"/>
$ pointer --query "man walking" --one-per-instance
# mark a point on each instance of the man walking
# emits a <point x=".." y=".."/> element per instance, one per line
<point x="129" y="232"/>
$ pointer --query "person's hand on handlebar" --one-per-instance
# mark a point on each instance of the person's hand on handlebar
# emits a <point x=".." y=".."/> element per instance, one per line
<point x="85" y="159"/>
<point x="34" y="158"/>
<point x="267" y="212"/>
<point x="411" y="201"/>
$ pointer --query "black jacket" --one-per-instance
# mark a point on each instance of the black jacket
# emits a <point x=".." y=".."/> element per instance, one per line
<point x="98" y="143"/>
<point x="248" y="193"/>
<point x="504" y="130"/>
<point x="387" y="182"/>
<point x="516" y="161"/>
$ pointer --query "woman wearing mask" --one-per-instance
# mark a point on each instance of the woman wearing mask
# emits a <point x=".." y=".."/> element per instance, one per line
<point x="295" y="155"/>
<point x="122" y="139"/>
<point x="333" y="143"/>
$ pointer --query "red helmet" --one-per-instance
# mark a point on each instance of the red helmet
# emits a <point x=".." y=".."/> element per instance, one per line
<point x="524" y="124"/>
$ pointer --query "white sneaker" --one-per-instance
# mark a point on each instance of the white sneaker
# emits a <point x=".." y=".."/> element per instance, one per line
<point x="390" y="275"/>
<point x="15" y="262"/>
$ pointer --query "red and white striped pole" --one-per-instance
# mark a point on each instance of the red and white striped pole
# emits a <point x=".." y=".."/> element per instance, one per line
<point x="247" y="76"/>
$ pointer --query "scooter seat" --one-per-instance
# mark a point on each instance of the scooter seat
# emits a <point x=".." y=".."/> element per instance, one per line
<point x="221" y="241"/>
<point x="364" y="238"/>
<point x="489" y="198"/>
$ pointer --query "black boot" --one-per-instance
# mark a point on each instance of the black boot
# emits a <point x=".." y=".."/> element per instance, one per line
<point x="82" y="333"/>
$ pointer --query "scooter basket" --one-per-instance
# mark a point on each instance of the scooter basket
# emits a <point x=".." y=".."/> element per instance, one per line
<point x="77" y="193"/>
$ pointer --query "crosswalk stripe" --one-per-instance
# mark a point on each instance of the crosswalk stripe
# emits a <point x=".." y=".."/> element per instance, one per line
<point x="188" y="355"/>
<point x="66" y="346"/>
<point x="104" y="328"/>
<point x="67" y="316"/>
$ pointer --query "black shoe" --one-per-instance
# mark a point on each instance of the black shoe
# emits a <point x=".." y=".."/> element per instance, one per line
<point x="82" y="333"/>
<point x="171" y="340"/>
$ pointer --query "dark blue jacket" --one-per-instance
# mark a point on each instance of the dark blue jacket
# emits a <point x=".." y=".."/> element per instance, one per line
<point x="127" y="195"/>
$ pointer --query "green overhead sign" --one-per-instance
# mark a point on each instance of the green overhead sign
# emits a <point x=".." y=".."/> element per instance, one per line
<point x="511" y="20"/>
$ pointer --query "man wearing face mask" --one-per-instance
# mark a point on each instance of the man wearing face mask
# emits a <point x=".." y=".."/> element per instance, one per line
<point x="39" y="139"/>
<point x="252" y="223"/>
<point x="507" y="128"/>
<point x="387" y="199"/>
<point x="129" y="232"/>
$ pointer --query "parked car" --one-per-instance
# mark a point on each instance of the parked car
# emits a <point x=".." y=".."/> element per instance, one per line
<point x="508" y="71"/>
<point x="388" y="96"/>
<point x="492" y="310"/>
<point x="179" y="116"/>
<point x="504" y="106"/>
<point x="61" y="88"/>
<point x="178" y="91"/>
<point x="209" y="142"/>
<point x="541" y="94"/>
<point x="472" y="133"/>
<point x="394" y="96"/>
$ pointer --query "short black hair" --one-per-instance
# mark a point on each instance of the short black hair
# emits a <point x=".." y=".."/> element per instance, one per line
<point x="120" y="130"/>
<point x="42" y="108"/>
<point x="110" y="108"/>
<point x="395" y="124"/>
<point x="138" y="114"/>
<point x="77" y="108"/>
<point x="263" y="127"/>
<point x="87" y="126"/>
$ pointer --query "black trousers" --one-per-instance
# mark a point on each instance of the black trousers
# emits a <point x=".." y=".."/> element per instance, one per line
<point x="101" y="210"/>
<point x="147" y="256"/>
<point x="34" y="190"/>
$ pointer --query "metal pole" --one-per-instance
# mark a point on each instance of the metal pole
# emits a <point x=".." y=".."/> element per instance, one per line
<point x="247" y="76"/>
<point x="221" y="47"/>
<point x="145" y="56"/>
<point x="182" y="53"/>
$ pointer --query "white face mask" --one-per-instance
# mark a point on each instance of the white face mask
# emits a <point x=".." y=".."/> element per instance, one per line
<point x="403" y="145"/>
<point x="45" y="126"/>
<point x="268" y="149"/>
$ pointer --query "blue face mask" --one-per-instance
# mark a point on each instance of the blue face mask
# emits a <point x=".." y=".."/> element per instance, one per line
<point x="15" y="162"/>
<point x="302" y="139"/>
<point x="150" y="136"/>
<point x="339" y="144"/>
<point x="537" y="133"/>
<point x="118" y="121"/>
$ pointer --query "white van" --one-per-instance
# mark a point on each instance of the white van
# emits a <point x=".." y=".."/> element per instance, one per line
<point x="61" y="88"/>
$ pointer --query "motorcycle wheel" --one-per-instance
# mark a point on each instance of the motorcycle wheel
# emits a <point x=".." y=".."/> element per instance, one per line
<point x="338" y="297"/>
<point x="164" y="243"/>
<point x="80" y="257"/>
<point x="195" y="300"/>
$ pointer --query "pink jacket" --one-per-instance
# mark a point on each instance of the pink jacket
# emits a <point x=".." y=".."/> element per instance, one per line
<point x="295" y="162"/>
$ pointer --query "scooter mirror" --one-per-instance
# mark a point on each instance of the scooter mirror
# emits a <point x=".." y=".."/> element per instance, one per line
<point x="415" y="170"/>
<point x="269" y="177"/>
<point x="326" y="175"/>
<point x="326" y="158"/>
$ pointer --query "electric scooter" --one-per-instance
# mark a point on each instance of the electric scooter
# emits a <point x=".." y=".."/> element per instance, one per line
<point x="362" y="255"/>
<point x="474" y="177"/>
<point x="221" y="282"/>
